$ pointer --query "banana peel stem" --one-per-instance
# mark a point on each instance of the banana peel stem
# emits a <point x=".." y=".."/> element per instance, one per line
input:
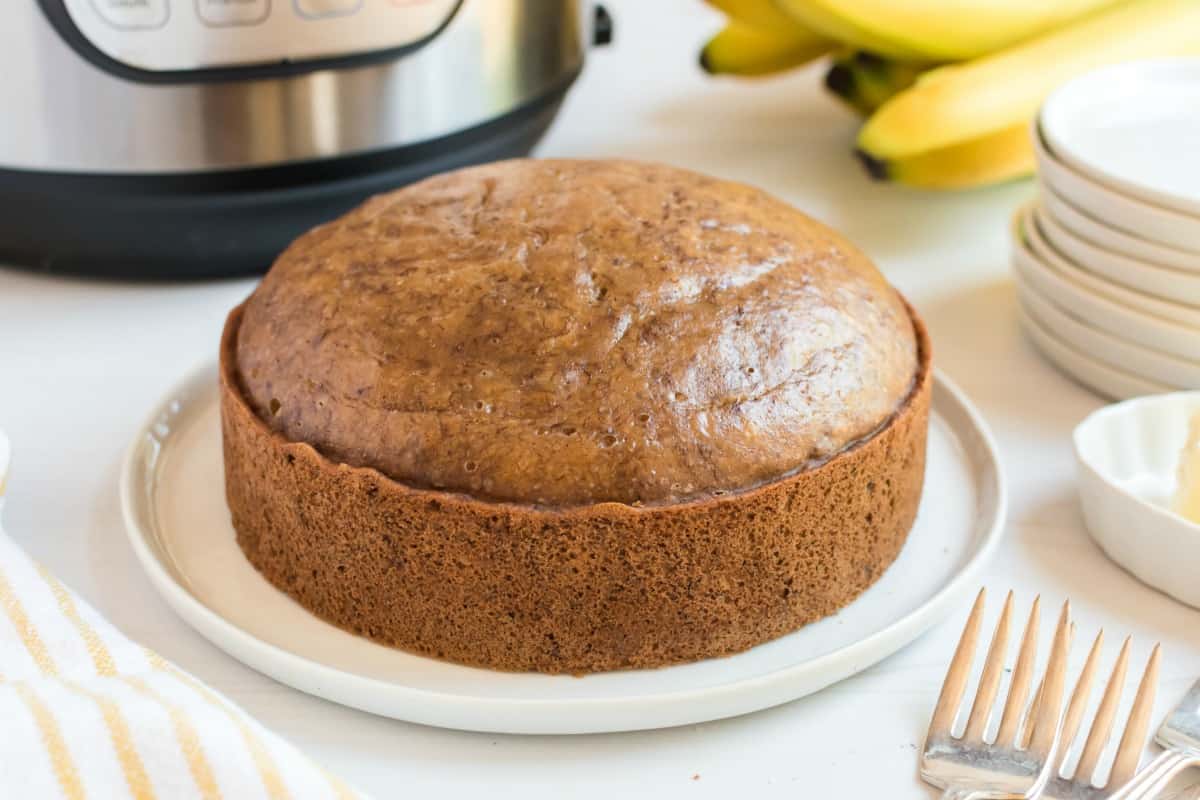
<point x="865" y="81"/>
<point x="875" y="167"/>
<point x="840" y="80"/>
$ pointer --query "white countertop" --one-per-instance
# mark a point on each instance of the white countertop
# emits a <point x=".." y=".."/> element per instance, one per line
<point x="82" y="362"/>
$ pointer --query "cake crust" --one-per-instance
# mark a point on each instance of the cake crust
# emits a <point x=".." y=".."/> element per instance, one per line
<point x="580" y="589"/>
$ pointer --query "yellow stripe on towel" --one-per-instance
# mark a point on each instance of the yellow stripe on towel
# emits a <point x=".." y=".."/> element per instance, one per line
<point x="60" y="758"/>
<point x="118" y="729"/>
<point x="25" y="629"/>
<point x="122" y="741"/>
<point x="340" y="789"/>
<point x="101" y="658"/>
<point x="188" y="737"/>
<point x="263" y="762"/>
<point x="185" y="733"/>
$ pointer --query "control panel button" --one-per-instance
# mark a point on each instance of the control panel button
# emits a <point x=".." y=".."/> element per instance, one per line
<point x="187" y="35"/>
<point x="132" y="14"/>
<point x="223" y="13"/>
<point x="316" y="9"/>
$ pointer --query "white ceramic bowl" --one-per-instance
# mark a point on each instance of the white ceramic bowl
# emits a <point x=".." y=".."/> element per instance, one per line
<point x="1114" y="240"/>
<point x="1114" y="351"/>
<point x="1096" y="375"/>
<point x="1100" y="312"/>
<point x="1128" y="213"/>
<point x="1171" y="285"/>
<point x="1121" y="295"/>
<point x="1132" y="127"/>
<point x="1127" y="456"/>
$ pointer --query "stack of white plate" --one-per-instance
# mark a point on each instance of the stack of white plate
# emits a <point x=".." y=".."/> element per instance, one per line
<point x="1107" y="258"/>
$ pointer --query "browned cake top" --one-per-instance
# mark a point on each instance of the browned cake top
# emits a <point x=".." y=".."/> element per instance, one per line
<point x="570" y="332"/>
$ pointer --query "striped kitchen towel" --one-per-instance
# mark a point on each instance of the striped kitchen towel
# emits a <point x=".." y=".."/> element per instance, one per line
<point x="86" y="713"/>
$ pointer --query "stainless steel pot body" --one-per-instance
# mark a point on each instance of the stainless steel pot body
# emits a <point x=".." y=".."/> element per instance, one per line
<point x="186" y="86"/>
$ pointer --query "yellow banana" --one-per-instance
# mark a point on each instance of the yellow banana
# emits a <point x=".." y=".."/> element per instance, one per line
<point x="756" y="13"/>
<point x="821" y="20"/>
<point x="937" y="30"/>
<point x="965" y="102"/>
<point x="865" y="81"/>
<point x="743" y="50"/>
<point x="996" y="157"/>
<point x="740" y="49"/>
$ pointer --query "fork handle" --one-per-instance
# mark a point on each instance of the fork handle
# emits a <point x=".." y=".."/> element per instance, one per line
<point x="960" y="794"/>
<point x="1156" y="776"/>
<point x="1150" y="779"/>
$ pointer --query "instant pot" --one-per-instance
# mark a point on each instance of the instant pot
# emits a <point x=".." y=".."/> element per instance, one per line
<point x="195" y="138"/>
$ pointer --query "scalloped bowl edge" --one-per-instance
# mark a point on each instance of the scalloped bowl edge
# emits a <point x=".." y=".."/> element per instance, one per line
<point x="1126" y="456"/>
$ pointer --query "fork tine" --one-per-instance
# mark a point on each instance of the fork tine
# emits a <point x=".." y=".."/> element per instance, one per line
<point x="1045" y="726"/>
<point x="1079" y="698"/>
<point x="989" y="682"/>
<point x="1018" y="690"/>
<point x="1129" y="752"/>
<point x="1103" y="721"/>
<point x="1027" y="733"/>
<point x="960" y="668"/>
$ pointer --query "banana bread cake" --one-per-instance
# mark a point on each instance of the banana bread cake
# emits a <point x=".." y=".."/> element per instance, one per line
<point x="573" y="416"/>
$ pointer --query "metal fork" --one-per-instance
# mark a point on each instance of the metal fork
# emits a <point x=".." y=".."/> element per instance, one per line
<point x="970" y="768"/>
<point x="1180" y="735"/>
<point x="1080" y="786"/>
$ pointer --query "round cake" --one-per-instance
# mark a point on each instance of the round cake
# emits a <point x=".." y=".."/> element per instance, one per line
<point x="573" y="416"/>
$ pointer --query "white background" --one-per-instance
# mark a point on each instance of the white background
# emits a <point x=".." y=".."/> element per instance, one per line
<point x="81" y="363"/>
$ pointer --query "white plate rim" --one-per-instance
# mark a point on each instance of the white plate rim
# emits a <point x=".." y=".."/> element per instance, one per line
<point x="1156" y="333"/>
<point x="1104" y="236"/>
<point x="1134" y="274"/>
<point x="1132" y="215"/>
<point x="1094" y="375"/>
<point x="1135" y="300"/>
<point x="1054" y="128"/>
<point x="512" y="715"/>
<point x="1078" y="334"/>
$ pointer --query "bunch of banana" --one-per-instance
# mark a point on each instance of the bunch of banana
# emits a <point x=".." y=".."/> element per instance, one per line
<point x="950" y="87"/>
<point x="968" y="123"/>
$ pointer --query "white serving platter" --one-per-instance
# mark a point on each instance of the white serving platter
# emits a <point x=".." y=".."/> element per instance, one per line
<point x="172" y="493"/>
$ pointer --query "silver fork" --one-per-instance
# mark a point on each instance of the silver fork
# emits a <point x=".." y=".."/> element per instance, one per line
<point x="1080" y="786"/>
<point x="970" y="768"/>
<point x="1180" y="735"/>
